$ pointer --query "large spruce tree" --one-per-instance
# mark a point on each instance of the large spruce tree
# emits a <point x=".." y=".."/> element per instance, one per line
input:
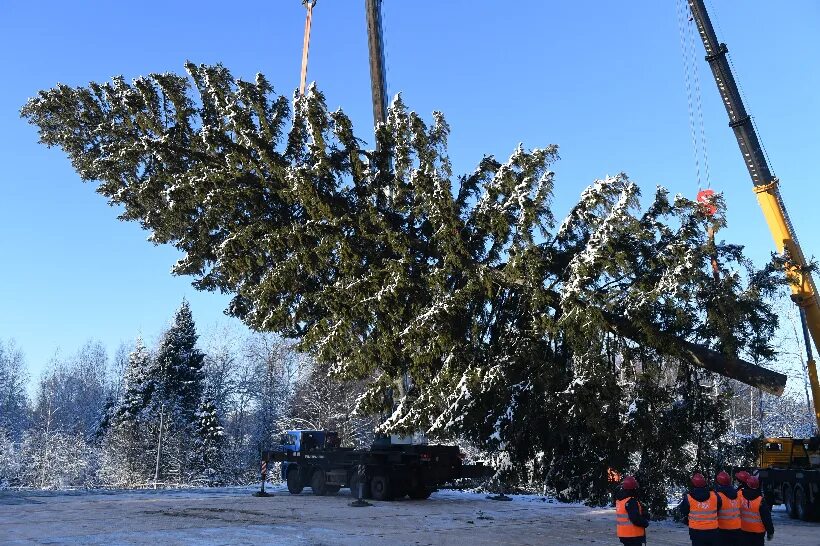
<point x="138" y="385"/>
<point x="177" y="367"/>
<point x="553" y="344"/>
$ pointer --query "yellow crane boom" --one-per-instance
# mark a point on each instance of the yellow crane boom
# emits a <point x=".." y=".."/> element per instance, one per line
<point x="804" y="293"/>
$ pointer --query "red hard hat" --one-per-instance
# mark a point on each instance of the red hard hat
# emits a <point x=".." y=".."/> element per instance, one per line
<point x="753" y="482"/>
<point x="742" y="476"/>
<point x="698" y="480"/>
<point x="630" y="483"/>
<point x="723" y="478"/>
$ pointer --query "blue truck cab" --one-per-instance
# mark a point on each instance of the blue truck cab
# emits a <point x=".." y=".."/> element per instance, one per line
<point x="301" y="441"/>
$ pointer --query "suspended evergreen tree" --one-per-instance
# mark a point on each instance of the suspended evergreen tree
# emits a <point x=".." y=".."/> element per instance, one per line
<point x="565" y="348"/>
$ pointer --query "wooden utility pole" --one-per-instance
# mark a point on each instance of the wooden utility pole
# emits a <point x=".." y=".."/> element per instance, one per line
<point x="159" y="445"/>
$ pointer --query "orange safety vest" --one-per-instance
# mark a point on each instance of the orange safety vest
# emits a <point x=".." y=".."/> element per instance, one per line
<point x="750" y="520"/>
<point x="627" y="529"/>
<point x="703" y="515"/>
<point x="729" y="512"/>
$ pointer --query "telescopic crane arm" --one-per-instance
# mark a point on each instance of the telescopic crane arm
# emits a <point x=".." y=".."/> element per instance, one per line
<point x="375" y="45"/>
<point x="766" y="189"/>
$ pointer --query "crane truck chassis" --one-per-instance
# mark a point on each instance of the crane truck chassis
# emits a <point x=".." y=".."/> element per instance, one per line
<point x="789" y="471"/>
<point x="314" y="458"/>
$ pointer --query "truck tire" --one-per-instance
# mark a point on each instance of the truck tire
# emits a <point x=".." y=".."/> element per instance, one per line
<point x="398" y="490"/>
<point x="788" y="500"/>
<point x="317" y="482"/>
<point x="814" y="507"/>
<point x="294" y="481"/>
<point x="380" y="487"/>
<point x="420" y="493"/>
<point x="801" y="504"/>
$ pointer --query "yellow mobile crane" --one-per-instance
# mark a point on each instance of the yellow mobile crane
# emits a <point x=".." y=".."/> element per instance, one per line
<point x="789" y="467"/>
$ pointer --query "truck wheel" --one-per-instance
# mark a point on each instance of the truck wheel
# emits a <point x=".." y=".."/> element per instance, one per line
<point x="814" y="509"/>
<point x="801" y="507"/>
<point x="380" y="487"/>
<point x="788" y="500"/>
<point x="420" y="493"/>
<point x="317" y="482"/>
<point x="398" y="490"/>
<point x="294" y="481"/>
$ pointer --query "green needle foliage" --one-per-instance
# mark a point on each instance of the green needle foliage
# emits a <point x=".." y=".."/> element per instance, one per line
<point x="382" y="262"/>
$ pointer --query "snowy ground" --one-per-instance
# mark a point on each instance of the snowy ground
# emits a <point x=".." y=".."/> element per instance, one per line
<point x="232" y="516"/>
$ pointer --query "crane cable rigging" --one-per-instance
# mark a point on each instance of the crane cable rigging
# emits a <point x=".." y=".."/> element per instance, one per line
<point x="705" y="196"/>
<point x="686" y="31"/>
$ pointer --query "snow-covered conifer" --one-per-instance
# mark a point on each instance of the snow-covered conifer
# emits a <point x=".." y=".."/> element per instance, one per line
<point x="138" y="383"/>
<point x="14" y="409"/>
<point x="177" y="366"/>
<point x="210" y="436"/>
<point x="468" y="310"/>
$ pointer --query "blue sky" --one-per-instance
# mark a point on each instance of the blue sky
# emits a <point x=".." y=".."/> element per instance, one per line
<point x="603" y="80"/>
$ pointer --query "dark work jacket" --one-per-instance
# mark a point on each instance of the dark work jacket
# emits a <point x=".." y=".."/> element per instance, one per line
<point x="765" y="509"/>
<point x="699" y="494"/>
<point x="632" y="509"/>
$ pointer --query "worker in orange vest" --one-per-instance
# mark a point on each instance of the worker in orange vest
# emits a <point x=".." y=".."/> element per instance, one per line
<point x="631" y="517"/>
<point x="701" y="505"/>
<point x="729" y="513"/>
<point x="755" y="514"/>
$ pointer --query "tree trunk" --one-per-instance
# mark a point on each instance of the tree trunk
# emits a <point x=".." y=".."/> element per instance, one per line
<point x="751" y="374"/>
<point x="735" y="368"/>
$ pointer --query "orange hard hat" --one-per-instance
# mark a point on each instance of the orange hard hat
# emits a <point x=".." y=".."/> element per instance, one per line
<point x="753" y="482"/>
<point x="698" y="480"/>
<point x="723" y="478"/>
<point x="630" y="483"/>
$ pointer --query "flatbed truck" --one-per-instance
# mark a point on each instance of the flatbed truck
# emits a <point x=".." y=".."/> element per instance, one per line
<point x="385" y="471"/>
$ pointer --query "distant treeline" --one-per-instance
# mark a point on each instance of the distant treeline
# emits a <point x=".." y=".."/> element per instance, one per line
<point x="191" y="411"/>
<point x="187" y="411"/>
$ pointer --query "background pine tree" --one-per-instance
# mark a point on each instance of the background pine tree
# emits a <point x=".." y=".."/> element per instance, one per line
<point x="210" y="438"/>
<point x="138" y="387"/>
<point x="177" y="366"/>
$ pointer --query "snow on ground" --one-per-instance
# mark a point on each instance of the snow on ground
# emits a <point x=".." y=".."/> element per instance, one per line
<point x="222" y="516"/>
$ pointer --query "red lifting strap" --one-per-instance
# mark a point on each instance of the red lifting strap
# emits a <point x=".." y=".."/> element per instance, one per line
<point x="705" y="199"/>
